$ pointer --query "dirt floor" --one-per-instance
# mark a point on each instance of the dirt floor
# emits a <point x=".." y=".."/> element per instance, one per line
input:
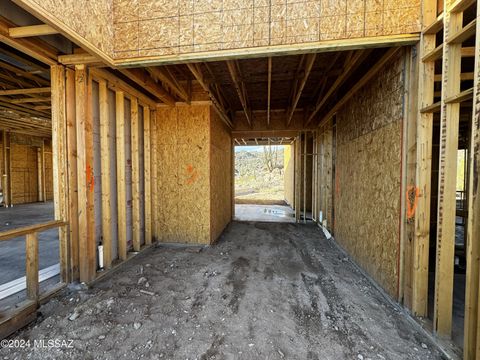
<point x="265" y="291"/>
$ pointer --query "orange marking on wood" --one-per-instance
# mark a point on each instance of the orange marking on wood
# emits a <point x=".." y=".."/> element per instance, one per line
<point x="413" y="193"/>
<point x="192" y="173"/>
<point x="90" y="178"/>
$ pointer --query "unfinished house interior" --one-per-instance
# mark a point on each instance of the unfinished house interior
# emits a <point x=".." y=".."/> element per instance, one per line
<point x="119" y="123"/>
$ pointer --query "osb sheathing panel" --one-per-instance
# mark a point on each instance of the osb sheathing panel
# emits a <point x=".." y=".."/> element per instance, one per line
<point x="289" y="174"/>
<point x="48" y="171"/>
<point x="220" y="175"/>
<point x="183" y="177"/>
<point x="164" y="27"/>
<point x="92" y="19"/>
<point x="368" y="176"/>
<point x="24" y="168"/>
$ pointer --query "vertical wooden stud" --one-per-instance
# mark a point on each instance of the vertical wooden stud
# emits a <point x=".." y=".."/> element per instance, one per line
<point x="298" y="176"/>
<point x="44" y="187"/>
<point x="449" y="130"/>
<point x="153" y="171"/>
<point x="148" y="174"/>
<point x="121" y="178"/>
<point x="59" y="146"/>
<point x="471" y="348"/>
<point x="5" y="176"/>
<point x="31" y="252"/>
<point x="423" y="170"/>
<point x="72" y="173"/>
<point x="39" y="174"/>
<point x="105" y="174"/>
<point x="304" y="175"/>
<point x="135" y="174"/>
<point x="84" y="121"/>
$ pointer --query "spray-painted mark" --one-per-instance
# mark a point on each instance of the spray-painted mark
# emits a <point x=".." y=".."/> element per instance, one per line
<point x="192" y="174"/>
<point x="90" y="178"/>
<point x="413" y="193"/>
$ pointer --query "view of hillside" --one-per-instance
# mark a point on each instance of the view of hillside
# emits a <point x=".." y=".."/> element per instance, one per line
<point x="259" y="174"/>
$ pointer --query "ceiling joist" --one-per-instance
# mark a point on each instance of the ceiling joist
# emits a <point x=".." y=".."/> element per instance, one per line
<point x="36" y="48"/>
<point x="41" y="90"/>
<point x="222" y="112"/>
<point x="164" y="75"/>
<point x="306" y="65"/>
<point x="142" y="78"/>
<point x="351" y="63"/>
<point x="235" y="73"/>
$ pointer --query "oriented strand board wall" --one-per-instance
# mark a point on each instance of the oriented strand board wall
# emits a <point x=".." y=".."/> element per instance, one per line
<point x="220" y="176"/>
<point x="24" y="168"/>
<point x="184" y="174"/>
<point x="166" y="27"/>
<point x="48" y="170"/>
<point x="368" y="171"/>
<point x="90" y="19"/>
<point x="289" y="174"/>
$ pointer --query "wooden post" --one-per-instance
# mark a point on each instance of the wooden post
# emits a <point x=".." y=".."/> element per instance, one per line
<point x="105" y="173"/>
<point x="39" y="174"/>
<point x="148" y="174"/>
<point x="471" y="348"/>
<point x="85" y="174"/>
<point x="31" y="254"/>
<point x="298" y="172"/>
<point x="232" y="181"/>
<point x="449" y="130"/>
<point x="6" y="192"/>
<point x="121" y="179"/>
<point x="135" y="174"/>
<point x="44" y="185"/>
<point x="409" y="194"/>
<point x="72" y="173"/>
<point x="153" y="170"/>
<point x="304" y="174"/>
<point x="423" y="170"/>
<point x="59" y="146"/>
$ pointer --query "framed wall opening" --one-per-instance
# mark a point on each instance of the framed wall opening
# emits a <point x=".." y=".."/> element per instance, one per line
<point x="264" y="179"/>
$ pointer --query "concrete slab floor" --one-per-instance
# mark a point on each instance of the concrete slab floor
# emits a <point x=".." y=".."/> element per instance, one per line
<point x="267" y="213"/>
<point x="12" y="252"/>
<point x="264" y="291"/>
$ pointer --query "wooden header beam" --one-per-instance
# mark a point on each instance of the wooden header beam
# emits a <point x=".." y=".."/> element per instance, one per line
<point x="76" y="59"/>
<point x="31" y="31"/>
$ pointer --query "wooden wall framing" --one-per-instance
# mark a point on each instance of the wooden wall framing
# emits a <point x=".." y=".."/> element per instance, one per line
<point x="446" y="49"/>
<point x="75" y="100"/>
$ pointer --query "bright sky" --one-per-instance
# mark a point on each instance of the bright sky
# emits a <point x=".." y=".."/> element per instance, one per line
<point x="251" y="148"/>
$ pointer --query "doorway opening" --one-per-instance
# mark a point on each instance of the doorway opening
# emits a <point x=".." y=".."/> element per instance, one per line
<point x="264" y="180"/>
